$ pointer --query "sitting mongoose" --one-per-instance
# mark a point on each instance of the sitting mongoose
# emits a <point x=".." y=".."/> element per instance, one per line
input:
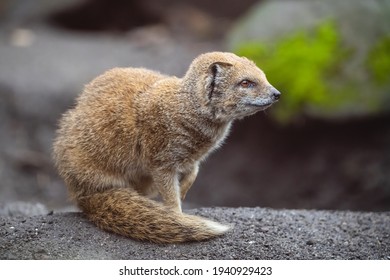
<point x="135" y="133"/>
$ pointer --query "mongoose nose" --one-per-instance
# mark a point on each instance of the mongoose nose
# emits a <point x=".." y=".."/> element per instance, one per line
<point x="275" y="94"/>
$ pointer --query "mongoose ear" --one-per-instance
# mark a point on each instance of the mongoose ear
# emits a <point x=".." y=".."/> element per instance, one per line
<point x="214" y="72"/>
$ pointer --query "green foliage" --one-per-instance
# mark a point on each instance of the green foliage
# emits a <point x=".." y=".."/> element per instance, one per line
<point x="379" y="61"/>
<point x="302" y="66"/>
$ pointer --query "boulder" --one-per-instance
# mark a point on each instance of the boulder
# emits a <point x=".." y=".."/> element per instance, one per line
<point x="331" y="59"/>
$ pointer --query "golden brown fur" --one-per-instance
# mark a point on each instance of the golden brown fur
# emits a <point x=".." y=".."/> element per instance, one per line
<point x="135" y="133"/>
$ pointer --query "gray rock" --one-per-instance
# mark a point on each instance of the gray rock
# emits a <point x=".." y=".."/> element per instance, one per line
<point x="349" y="85"/>
<point x="258" y="234"/>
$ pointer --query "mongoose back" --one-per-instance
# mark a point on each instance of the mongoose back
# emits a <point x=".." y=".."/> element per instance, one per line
<point x="136" y="133"/>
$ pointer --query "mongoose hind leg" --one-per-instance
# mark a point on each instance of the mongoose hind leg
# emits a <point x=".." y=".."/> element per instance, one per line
<point x="167" y="183"/>
<point x="187" y="180"/>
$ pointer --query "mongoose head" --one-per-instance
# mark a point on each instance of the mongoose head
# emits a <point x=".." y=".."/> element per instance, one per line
<point x="230" y="86"/>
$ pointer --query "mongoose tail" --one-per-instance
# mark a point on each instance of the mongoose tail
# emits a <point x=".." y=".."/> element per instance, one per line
<point x="149" y="221"/>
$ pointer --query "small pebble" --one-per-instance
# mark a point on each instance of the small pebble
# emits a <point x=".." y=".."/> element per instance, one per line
<point x="310" y="242"/>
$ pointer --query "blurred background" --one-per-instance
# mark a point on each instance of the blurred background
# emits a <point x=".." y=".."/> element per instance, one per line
<point x="325" y="145"/>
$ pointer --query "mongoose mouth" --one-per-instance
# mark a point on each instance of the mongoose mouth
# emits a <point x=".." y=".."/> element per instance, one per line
<point x="261" y="105"/>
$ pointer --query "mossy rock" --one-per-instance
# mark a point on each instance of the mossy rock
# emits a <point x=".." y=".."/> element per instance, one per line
<point x="330" y="59"/>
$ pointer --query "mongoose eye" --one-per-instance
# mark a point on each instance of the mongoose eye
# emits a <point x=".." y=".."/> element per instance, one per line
<point x="247" y="84"/>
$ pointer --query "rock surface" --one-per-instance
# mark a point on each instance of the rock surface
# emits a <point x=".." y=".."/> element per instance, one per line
<point x="258" y="233"/>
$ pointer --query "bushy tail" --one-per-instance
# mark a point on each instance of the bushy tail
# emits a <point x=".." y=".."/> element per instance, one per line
<point x="125" y="212"/>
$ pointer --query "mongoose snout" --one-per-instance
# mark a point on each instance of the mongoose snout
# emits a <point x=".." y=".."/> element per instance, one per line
<point x="275" y="94"/>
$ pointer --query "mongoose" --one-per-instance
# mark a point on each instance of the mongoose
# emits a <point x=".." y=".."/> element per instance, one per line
<point x="135" y="133"/>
